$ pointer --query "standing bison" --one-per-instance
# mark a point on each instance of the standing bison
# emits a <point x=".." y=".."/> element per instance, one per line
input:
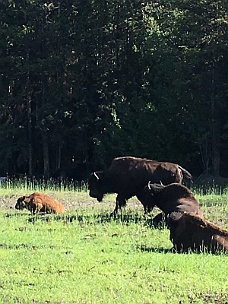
<point x="170" y="198"/>
<point x="189" y="231"/>
<point x="39" y="202"/>
<point x="127" y="176"/>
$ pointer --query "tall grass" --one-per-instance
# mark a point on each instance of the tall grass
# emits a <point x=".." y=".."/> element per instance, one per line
<point x="30" y="184"/>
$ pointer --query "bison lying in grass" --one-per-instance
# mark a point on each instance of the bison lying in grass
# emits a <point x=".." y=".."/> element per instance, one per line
<point x="189" y="231"/>
<point x="127" y="176"/>
<point x="170" y="198"/>
<point x="39" y="202"/>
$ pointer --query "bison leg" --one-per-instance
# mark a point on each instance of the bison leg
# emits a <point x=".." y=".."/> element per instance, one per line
<point x="120" y="202"/>
<point x="219" y="243"/>
<point x="159" y="220"/>
<point x="147" y="208"/>
<point x="32" y="207"/>
<point x="147" y="204"/>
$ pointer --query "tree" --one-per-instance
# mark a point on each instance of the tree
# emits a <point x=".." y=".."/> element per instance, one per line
<point x="194" y="46"/>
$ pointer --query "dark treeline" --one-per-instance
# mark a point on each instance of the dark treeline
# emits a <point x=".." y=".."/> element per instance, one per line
<point x="82" y="82"/>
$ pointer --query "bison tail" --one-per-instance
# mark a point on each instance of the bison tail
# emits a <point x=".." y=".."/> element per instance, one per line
<point x="186" y="173"/>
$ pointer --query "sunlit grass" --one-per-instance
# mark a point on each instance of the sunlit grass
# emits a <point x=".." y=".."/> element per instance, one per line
<point x="83" y="259"/>
<point x="85" y="256"/>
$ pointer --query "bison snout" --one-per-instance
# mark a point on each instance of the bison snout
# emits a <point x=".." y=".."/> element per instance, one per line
<point x="100" y="198"/>
<point x="19" y="207"/>
<point x="96" y="195"/>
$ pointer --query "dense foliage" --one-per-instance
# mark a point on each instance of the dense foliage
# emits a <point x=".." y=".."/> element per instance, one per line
<point x="84" y="81"/>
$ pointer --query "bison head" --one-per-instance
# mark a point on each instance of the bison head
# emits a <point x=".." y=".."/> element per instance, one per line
<point x="23" y="202"/>
<point x="95" y="185"/>
<point x="148" y="195"/>
<point x="155" y="188"/>
<point x="20" y="203"/>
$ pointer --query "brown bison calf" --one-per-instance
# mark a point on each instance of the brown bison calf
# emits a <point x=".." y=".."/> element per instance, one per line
<point x="39" y="202"/>
<point x="189" y="231"/>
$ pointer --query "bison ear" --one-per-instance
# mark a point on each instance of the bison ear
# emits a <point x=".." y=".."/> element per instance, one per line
<point x="95" y="174"/>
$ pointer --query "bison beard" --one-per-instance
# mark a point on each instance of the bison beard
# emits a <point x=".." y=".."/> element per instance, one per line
<point x="127" y="176"/>
<point x="192" y="232"/>
<point x="39" y="202"/>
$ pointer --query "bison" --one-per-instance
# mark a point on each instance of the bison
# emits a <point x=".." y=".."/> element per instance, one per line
<point x="39" y="202"/>
<point x="170" y="198"/>
<point x="127" y="176"/>
<point x="189" y="231"/>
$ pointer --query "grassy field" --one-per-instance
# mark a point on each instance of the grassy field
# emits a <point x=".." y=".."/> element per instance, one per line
<point x="84" y="256"/>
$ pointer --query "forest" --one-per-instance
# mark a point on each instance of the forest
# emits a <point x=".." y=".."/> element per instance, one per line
<point x="83" y="82"/>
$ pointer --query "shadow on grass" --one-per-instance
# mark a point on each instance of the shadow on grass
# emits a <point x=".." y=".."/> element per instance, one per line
<point x="24" y="246"/>
<point x="205" y="251"/>
<point x="145" y="248"/>
<point x="16" y="214"/>
<point x="157" y="222"/>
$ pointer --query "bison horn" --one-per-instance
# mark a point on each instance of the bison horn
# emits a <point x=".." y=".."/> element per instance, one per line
<point x="95" y="174"/>
<point x="149" y="185"/>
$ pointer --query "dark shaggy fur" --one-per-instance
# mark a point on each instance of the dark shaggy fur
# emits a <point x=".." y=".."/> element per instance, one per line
<point x="127" y="176"/>
<point x="170" y="198"/>
<point x="189" y="231"/>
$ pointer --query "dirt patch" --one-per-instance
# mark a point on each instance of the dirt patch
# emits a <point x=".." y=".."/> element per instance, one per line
<point x="76" y="201"/>
<point x="72" y="201"/>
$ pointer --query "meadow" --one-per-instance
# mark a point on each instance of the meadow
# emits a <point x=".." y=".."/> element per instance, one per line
<point x="85" y="256"/>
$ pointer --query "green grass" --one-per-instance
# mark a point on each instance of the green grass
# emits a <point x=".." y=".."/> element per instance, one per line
<point x="84" y="256"/>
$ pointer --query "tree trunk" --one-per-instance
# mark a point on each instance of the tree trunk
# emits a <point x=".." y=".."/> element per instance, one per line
<point x="46" y="155"/>
<point x="59" y="155"/>
<point x="216" y="149"/>
<point x="29" y="124"/>
<point x="30" y="156"/>
<point x="215" y="127"/>
<point x="46" y="168"/>
<point x="29" y="106"/>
